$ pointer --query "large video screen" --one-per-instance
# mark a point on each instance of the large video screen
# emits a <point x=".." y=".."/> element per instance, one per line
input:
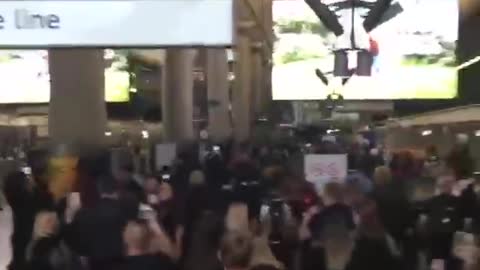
<point x="413" y="48"/>
<point x="24" y="76"/>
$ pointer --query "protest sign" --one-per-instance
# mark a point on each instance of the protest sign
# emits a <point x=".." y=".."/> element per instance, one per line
<point x="321" y="169"/>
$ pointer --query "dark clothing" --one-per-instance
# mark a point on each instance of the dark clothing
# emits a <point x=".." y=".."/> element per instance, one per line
<point x="180" y="177"/>
<point x="201" y="200"/>
<point x="454" y="264"/>
<point x="313" y="257"/>
<point x="444" y="214"/>
<point x="216" y="172"/>
<point x="135" y="189"/>
<point x="50" y="254"/>
<point x="147" y="262"/>
<point x="131" y="192"/>
<point x="96" y="233"/>
<point x="19" y="243"/>
<point x="201" y="242"/>
<point x="130" y="206"/>
<point x="394" y="209"/>
<point x="469" y="202"/>
<point x="444" y="219"/>
<point x="334" y="218"/>
<point x="23" y="211"/>
<point x="440" y="246"/>
<point x="105" y="264"/>
<point x="25" y="205"/>
<point x="170" y="217"/>
<point x="372" y="254"/>
<point x="43" y="200"/>
<point x="371" y="163"/>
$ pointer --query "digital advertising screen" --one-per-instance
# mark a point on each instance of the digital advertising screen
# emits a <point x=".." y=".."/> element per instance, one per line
<point x="24" y="77"/>
<point x="119" y="23"/>
<point x="413" y="51"/>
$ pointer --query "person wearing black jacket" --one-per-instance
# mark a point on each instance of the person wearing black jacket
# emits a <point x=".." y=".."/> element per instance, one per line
<point x="444" y="219"/>
<point x="469" y="205"/>
<point x="19" y="195"/>
<point x="96" y="233"/>
<point x="47" y="250"/>
<point x="395" y="212"/>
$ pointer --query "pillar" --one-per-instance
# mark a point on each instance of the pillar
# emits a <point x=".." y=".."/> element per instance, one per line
<point x="219" y="127"/>
<point x="77" y="112"/>
<point x="258" y="74"/>
<point x="242" y="92"/>
<point x="468" y="7"/>
<point x="177" y="95"/>
<point x="267" y="57"/>
<point x="261" y="56"/>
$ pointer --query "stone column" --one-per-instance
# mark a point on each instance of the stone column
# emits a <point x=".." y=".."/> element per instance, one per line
<point x="177" y="95"/>
<point x="219" y="127"/>
<point x="242" y="92"/>
<point x="267" y="58"/>
<point x="77" y="112"/>
<point x="262" y="50"/>
<point x="258" y="87"/>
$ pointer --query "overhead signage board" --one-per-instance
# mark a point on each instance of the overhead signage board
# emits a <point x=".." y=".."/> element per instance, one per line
<point x="116" y="23"/>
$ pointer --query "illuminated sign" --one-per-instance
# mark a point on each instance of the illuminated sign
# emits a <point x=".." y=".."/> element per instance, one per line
<point x="118" y="23"/>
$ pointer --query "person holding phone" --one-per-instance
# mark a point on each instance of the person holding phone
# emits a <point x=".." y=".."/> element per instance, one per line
<point x="160" y="201"/>
<point x="96" y="233"/>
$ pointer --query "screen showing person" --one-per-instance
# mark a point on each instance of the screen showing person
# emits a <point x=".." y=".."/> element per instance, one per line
<point x="413" y="51"/>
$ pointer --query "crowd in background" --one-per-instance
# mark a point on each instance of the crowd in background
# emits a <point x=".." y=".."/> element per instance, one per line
<point x="249" y="207"/>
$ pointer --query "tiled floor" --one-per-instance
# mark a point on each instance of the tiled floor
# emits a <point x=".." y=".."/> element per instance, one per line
<point x="5" y="230"/>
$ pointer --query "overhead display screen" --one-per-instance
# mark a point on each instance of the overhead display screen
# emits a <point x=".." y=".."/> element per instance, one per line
<point x="413" y="53"/>
<point x="24" y="76"/>
<point x="124" y="23"/>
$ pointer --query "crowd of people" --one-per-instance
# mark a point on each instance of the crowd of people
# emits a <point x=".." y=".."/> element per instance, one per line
<point x="249" y="208"/>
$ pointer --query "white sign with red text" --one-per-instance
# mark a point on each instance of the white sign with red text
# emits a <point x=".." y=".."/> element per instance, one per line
<point x="320" y="169"/>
